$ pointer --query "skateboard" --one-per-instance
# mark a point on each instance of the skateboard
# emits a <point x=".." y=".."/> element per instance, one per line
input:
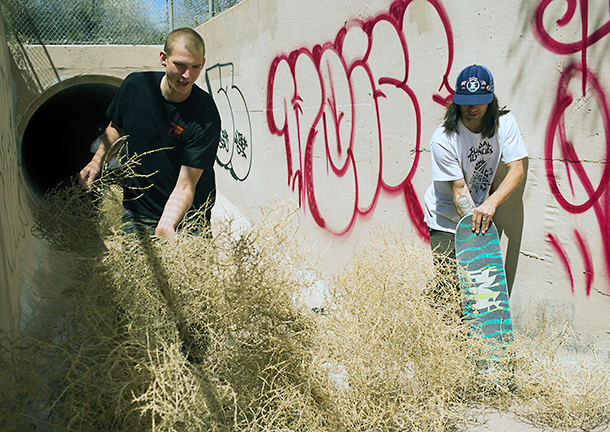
<point x="483" y="282"/>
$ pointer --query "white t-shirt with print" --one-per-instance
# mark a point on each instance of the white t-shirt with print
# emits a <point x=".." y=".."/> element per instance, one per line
<point x="469" y="156"/>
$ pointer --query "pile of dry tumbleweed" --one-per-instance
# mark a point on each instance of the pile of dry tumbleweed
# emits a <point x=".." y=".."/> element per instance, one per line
<point x="211" y="335"/>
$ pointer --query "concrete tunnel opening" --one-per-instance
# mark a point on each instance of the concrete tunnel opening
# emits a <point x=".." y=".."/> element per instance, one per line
<point x="63" y="123"/>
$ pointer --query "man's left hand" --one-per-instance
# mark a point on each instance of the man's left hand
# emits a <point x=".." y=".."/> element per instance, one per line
<point x="481" y="217"/>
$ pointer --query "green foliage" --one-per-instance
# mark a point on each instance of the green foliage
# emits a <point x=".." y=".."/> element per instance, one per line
<point x="52" y="22"/>
<point x="84" y="22"/>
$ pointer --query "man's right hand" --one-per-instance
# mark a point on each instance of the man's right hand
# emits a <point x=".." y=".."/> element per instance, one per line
<point x="89" y="174"/>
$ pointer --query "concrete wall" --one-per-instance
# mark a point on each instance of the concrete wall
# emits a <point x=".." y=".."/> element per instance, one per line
<point x="31" y="273"/>
<point x="61" y="62"/>
<point x="330" y="105"/>
<point x="341" y="99"/>
<point x="13" y="212"/>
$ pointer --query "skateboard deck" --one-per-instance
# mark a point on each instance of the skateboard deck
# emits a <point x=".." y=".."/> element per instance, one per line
<point x="483" y="282"/>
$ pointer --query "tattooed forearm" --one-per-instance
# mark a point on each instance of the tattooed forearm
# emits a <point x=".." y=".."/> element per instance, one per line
<point x="464" y="205"/>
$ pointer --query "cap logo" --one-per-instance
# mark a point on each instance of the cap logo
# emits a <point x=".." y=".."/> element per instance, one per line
<point x="473" y="84"/>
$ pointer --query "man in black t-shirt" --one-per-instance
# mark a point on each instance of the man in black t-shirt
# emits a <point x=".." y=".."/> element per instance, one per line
<point x="174" y="126"/>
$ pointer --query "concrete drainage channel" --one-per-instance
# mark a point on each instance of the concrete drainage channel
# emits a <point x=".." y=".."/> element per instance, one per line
<point x="58" y="128"/>
<point x="54" y="138"/>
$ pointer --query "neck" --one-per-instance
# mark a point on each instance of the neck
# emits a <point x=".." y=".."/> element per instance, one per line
<point x="167" y="93"/>
<point x="474" y="127"/>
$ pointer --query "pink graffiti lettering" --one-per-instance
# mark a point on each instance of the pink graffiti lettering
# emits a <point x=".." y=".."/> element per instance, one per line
<point x="566" y="48"/>
<point x="598" y="196"/>
<point x="345" y="111"/>
<point x="584" y="252"/>
<point x="565" y="261"/>
<point x="563" y="257"/>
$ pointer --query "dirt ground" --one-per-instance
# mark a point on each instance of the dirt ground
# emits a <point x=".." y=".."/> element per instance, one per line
<point x="493" y="421"/>
<point x="500" y="422"/>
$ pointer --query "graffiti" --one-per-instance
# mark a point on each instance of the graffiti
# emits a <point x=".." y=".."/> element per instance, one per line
<point x="347" y="111"/>
<point x="566" y="48"/>
<point x="565" y="260"/>
<point x="563" y="257"/>
<point x="235" y="147"/>
<point x="597" y="196"/>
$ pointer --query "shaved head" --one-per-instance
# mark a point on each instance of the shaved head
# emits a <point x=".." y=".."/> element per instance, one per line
<point x="186" y="37"/>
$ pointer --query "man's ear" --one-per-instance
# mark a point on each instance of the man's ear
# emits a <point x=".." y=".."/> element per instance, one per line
<point x="163" y="58"/>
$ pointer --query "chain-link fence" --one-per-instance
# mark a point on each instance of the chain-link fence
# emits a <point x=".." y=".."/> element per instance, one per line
<point x="133" y="22"/>
<point x="31" y="25"/>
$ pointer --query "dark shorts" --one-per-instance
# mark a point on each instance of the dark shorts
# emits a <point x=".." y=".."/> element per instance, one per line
<point x="144" y="227"/>
<point x="446" y="280"/>
<point x="442" y="243"/>
<point x="139" y="226"/>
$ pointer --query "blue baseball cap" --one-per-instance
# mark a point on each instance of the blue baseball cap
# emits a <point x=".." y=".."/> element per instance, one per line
<point x="474" y="86"/>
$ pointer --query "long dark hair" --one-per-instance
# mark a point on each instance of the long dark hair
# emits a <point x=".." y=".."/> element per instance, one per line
<point x="491" y="119"/>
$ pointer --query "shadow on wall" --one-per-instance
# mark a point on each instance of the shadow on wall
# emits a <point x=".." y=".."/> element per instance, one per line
<point x="50" y="145"/>
<point x="509" y="220"/>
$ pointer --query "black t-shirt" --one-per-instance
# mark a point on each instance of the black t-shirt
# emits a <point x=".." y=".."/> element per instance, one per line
<point x="166" y="135"/>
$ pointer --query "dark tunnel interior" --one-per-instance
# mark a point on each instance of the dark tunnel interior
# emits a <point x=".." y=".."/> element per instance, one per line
<point x="57" y="139"/>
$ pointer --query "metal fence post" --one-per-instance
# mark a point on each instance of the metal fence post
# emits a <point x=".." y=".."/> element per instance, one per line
<point x="170" y="11"/>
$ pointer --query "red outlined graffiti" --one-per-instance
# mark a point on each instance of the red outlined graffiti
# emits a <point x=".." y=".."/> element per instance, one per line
<point x="565" y="260"/>
<point x="588" y="264"/>
<point x="563" y="257"/>
<point x="338" y="106"/>
<point x="565" y="48"/>
<point x="597" y="196"/>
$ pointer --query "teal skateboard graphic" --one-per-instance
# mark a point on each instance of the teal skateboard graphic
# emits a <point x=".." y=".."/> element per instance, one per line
<point x="483" y="282"/>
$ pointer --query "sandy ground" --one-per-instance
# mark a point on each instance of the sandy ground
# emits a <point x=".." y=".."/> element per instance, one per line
<point x="494" y="421"/>
<point x="487" y="420"/>
<point x="501" y="422"/>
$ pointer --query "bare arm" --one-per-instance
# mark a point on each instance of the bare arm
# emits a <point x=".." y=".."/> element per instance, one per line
<point x="180" y="200"/>
<point x="93" y="168"/>
<point x="481" y="215"/>
<point x="462" y="199"/>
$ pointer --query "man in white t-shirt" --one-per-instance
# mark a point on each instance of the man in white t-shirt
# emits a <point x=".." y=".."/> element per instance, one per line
<point x="466" y="149"/>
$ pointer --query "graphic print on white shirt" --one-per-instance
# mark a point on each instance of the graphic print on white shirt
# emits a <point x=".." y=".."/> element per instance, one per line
<point x="483" y="174"/>
<point x="469" y="156"/>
